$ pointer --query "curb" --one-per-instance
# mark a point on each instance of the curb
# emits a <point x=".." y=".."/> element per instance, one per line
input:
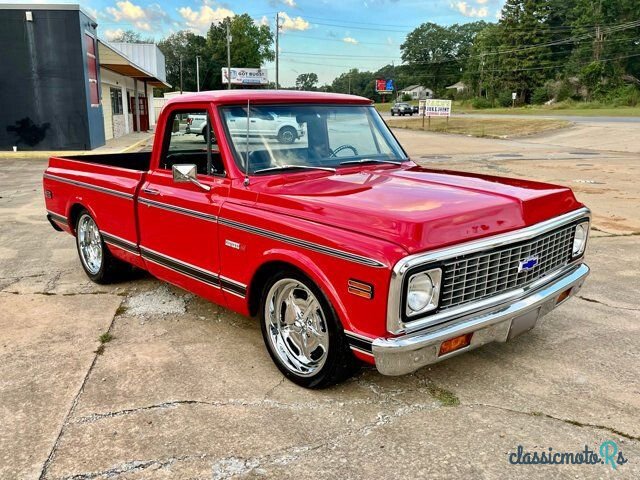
<point x="43" y="154"/>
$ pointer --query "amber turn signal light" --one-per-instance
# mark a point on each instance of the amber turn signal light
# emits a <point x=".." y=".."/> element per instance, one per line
<point x="455" y="343"/>
<point x="563" y="296"/>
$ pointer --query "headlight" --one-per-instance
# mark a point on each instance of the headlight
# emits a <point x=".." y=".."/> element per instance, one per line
<point x="580" y="239"/>
<point x="423" y="291"/>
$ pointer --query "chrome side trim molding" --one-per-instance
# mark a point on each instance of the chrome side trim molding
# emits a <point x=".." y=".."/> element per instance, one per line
<point x="356" y="349"/>
<point x="78" y="183"/>
<point x="359" y="342"/>
<point x="302" y="243"/>
<point x="197" y="273"/>
<point x="119" y="242"/>
<point x="395" y="325"/>
<point x="176" y="209"/>
<point x="61" y="219"/>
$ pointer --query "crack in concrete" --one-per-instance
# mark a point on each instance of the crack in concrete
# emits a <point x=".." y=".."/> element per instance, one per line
<point x="132" y="467"/>
<point x="593" y="300"/>
<point x="552" y="417"/>
<point x="609" y="234"/>
<point x="232" y="466"/>
<point x="273" y="389"/>
<point x="74" y="403"/>
<point x="76" y="294"/>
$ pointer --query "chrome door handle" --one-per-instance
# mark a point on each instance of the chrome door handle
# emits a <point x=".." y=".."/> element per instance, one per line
<point x="151" y="191"/>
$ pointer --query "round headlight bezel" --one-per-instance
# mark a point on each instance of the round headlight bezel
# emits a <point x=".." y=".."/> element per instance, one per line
<point x="426" y="282"/>
<point x="580" y="239"/>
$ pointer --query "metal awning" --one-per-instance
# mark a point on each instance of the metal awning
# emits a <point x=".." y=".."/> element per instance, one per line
<point x="118" y="62"/>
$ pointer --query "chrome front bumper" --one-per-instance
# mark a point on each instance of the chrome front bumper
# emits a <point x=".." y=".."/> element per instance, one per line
<point x="407" y="353"/>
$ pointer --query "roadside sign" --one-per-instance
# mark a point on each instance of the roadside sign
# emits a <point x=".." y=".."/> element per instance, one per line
<point x="384" y="87"/>
<point x="434" y="108"/>
<point x="245" y="76"/>
<point x="514" y="96"/>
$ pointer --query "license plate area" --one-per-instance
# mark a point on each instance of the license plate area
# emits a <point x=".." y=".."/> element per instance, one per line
<point x="523" y="323"/>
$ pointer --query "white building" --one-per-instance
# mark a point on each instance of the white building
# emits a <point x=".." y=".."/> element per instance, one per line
<point x="417" y="92"/>
<point x="128" y="73"/>
<point x="458" y="87"/>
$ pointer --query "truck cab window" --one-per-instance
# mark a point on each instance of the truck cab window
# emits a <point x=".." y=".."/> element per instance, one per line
<point x="187" y="140"/>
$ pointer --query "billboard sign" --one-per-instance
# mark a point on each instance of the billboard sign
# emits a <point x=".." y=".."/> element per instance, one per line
<point x="245" y="76"/>
<point x="434" y="108"/>
<point x="383" y="86"/>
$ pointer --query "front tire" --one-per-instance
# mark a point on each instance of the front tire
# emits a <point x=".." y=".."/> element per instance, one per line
<point x="287" y="135"/>
<point x="302" y="332"/>
<point x="96" y="259"/>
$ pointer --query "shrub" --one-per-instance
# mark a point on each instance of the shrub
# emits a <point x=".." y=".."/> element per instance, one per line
<point x="504" y="99"/>
<point x="540" y="95"/>
<point x="406" y="97"/>
<point x="480" y="103"/>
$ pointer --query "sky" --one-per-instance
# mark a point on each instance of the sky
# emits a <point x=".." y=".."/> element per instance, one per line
<point x="327" y="37"/>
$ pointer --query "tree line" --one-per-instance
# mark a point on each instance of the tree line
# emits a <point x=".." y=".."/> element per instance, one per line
<point x="543" y="50"/>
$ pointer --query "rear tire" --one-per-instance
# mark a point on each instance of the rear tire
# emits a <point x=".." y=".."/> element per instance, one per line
<point x="96" y="259"/>
<point x="302" y="332"/>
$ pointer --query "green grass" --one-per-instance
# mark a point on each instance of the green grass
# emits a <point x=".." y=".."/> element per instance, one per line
<point x="574" y="109"/>
<point x="445" y="397"/>
<point x="106" y="337"/>
<point x="570" y="108"/>
<point x="480" y="127"/>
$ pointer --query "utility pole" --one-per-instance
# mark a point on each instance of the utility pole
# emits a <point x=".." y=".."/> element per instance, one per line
<point x="349" y="83"/>
<point x="180" y="74"/>
<point x="481" y="74"/>
<point x="277" y="48"/>
<point x="228" y="54"/>
<point x="198" y="72"/>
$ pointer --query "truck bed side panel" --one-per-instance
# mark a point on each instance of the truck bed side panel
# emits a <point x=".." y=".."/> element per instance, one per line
<point x="108" y="193"/>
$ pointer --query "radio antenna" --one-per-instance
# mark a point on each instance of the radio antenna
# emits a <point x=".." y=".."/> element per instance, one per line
<point x="246" y="161"/>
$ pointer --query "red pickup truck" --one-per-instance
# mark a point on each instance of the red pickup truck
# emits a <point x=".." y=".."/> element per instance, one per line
<point x="346" y="249"/>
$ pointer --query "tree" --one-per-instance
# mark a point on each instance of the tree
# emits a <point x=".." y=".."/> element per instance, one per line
<point x="307" y="81"/>
<point x="250" y="46"/>
<point x="130" y="36"/>
<point x="437" y="54"/>
<point x="184" y="46"/>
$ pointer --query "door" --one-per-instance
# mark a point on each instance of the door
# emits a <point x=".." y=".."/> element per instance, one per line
<point x="178" y="221"/>
<point x="144" y="114"/>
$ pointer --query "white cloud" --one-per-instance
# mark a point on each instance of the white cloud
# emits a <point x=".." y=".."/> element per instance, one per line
<point x="482" y="2"/>
<point x="470" y="11"/>
<point x="263" y="21"/>
<point x="289" y="3"/>
<point x="296" y="23"/>
<point x="350" y="40"/>
<point x="143" y="18"/>
<point x="201" y="20"/>
<point x="113" y="34"/>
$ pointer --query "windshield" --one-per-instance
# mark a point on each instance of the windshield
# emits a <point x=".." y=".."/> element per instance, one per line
<point x="294" y="137"/>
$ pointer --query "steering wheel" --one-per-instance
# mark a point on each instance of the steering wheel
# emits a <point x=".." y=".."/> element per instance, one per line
<point x="334" y="153"/>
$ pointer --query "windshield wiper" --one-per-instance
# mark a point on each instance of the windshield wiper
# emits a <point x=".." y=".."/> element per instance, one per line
<point x="291" y="167"/>
<point x="369" y="160"/>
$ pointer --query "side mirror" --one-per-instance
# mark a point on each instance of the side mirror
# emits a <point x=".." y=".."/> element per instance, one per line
<point x="187" y="172"/>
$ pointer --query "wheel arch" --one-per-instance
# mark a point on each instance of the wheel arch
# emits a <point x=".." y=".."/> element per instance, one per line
<point x="75" y="209"/>
<point x="275" y="261"/>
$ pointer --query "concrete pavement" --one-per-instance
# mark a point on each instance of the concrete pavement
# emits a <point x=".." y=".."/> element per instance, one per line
<point x="185" y="389"/>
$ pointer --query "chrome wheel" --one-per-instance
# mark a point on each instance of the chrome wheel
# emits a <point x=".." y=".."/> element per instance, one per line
<point x="296" y="327"/>
<point x="89" y="244"/>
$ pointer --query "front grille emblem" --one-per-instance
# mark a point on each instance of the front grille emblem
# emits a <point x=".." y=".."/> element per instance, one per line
<point x="527" y="264"/>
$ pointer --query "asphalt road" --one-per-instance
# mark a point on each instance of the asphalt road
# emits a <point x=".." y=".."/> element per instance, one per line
<point x="185" y="389"/>
<point x="569" y="118"/>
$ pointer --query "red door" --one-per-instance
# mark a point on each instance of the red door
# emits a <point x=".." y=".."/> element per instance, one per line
<point x="144" y="114"/>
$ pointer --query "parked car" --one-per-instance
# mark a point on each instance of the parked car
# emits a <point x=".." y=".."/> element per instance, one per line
<point x="265" y="124"/>
<point x="401" y="109"/>
<point x="197" y="124"/>
<point x="415" y="108"/>
<point x="345" y="249"/>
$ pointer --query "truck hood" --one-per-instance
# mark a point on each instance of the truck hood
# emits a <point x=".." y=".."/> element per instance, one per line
<point x="416" y="208"/>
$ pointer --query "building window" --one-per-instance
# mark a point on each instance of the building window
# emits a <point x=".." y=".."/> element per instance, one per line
<point x="92" y="67"/>
<point x="116" y="101"/>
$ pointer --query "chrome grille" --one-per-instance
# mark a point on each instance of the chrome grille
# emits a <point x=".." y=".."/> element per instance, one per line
<point x="480" y="275"/>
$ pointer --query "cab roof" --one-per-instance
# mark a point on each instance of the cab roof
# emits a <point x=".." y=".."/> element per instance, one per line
<point x="240" y="96"/>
